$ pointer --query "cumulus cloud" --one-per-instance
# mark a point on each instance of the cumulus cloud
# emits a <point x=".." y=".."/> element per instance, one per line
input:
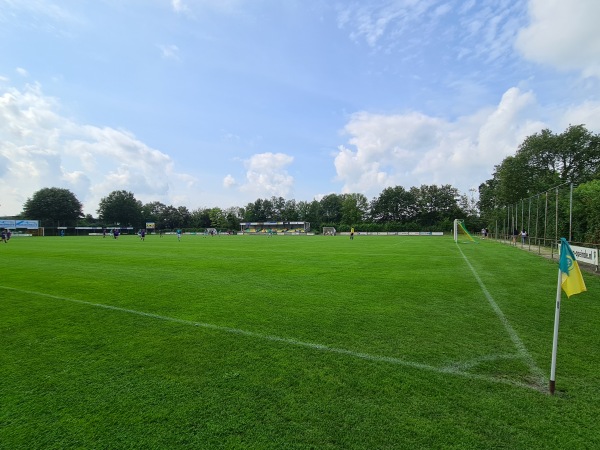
<point x="266" y="175"/>
<point x="563" y="34"/>
<point x="40" y="148"/>
<point x="413" y="149"/>
<point x="586" y="113"/>
<point x="229" y="181"/>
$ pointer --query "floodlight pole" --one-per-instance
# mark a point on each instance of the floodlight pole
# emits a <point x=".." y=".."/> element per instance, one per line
<point x="555" y="339"/>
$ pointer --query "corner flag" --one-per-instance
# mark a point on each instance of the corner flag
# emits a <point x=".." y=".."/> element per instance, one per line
<point x="572" y="281"/>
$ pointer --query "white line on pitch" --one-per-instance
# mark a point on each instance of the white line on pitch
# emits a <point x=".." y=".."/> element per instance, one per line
<point x="507" y="326"/>
<point x="453" y="370"/>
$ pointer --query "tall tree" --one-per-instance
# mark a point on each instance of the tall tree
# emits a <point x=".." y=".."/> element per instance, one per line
<point x="278" y="208"/>
<point x="259" y="211"/>
<point x="153" y="211"/>
<point x="331" y="209"/>
<point x="436" y="204"/>
<point x="586" y="212"/>
<point x="53" y="206"/>
<point x="354" y="208"/>
<point x="516" y="179"/>
<point x="170" y="218"/>
<point x="579" y="160"/>
<point x="290" y="211"/>
<point x="233" y="217"/>
<point x="394" y="204"/>
<point x="121" y="207"/>
<point x="200" y="218"/>
<point x="218" y="218"/>
<point x="572" y="156"/>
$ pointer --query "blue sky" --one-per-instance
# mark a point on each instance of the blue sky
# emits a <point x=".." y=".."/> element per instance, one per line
<point x="204" y="103"/>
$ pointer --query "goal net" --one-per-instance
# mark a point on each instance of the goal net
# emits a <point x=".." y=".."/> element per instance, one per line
<point x="460" y="230"/>
<point x="329" y="231"/>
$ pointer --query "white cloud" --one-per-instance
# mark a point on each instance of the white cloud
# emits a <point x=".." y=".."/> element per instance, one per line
<point x="179" y="6"/>
<point x="229" y="181"/>
<point x="563" y="34"/>
<point x="22" y="72"/>
<point x="266" y="175"/>
<point x="413" y="149"/>
<point x="587" y="113"/>
<point x="372" y="21"/>
<point x="189" y="7"/>
<point x="169" y="51"/>
<point x="486" y="29"/>
<point x="40" y="148"/>
<point x="44" y="15"/>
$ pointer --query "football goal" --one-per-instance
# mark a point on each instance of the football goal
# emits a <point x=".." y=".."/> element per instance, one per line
<point x="461" y="230"/>
<point x="329" y="231"/>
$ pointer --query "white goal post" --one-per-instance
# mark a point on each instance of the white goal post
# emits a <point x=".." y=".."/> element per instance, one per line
<point x="329" y="231"/>
<point x="455" y="230"/>
<point x="460" y="228"/>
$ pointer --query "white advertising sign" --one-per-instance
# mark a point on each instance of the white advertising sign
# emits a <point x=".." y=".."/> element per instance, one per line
<point x="7" y="223"/>
<point x="29" y="224"/>
<point x="585" y="255"/>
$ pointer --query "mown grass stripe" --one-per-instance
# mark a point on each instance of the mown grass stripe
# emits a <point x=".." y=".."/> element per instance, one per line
<point x="454" y="369"/>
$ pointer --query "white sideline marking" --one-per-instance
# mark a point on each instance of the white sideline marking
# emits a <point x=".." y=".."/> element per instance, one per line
<point x="507" y="326"/>
<point x="451" y="369"/>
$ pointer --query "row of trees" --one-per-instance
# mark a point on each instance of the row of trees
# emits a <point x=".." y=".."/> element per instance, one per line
<point x="543" y="161"/>
<point x="426" y="207"/>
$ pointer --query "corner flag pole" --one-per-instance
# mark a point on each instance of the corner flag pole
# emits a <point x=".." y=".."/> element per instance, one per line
<point x="555" y="340"/>
<point x="571" y="281"/>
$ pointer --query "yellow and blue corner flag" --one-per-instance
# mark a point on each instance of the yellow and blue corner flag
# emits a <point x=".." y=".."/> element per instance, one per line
<point x="572" y="281"/>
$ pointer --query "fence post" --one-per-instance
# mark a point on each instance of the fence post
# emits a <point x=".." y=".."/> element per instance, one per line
<point x="571" y="213"/>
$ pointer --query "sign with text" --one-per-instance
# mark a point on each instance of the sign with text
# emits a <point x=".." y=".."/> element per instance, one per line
<point x="29" y="224"/>
<point x="585" y="255"/>
<point x="7" y="223"/>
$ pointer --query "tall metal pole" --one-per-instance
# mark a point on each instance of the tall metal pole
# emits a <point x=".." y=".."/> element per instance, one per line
<point x="556" y="218"/>
<point x="522" y="221"/>
<point x="571" y="213"/>
<point x="546" y="219"/>
<point x="529" y="223"/>
<point x="537" y="220"/>
<point x="555" y="336"/>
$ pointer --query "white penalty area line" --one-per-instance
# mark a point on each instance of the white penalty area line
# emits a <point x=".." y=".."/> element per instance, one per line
<point x="518" y="343"/>
<point x="450" y="370"/>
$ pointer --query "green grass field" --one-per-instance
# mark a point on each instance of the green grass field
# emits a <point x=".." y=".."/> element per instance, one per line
<point x="291" y="342"/>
